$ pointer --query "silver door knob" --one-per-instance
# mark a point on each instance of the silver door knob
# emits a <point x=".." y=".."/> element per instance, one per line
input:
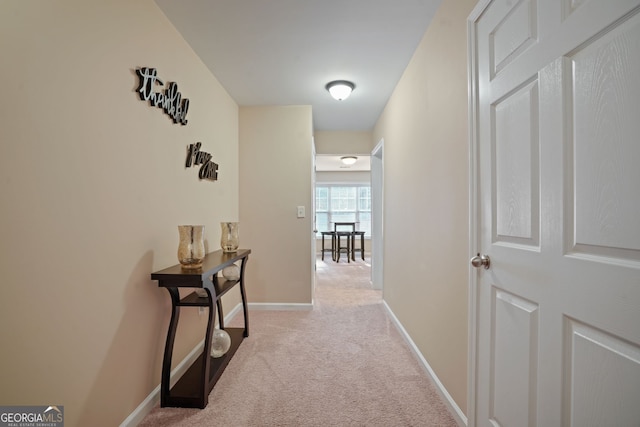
<point x="480" y="260"/>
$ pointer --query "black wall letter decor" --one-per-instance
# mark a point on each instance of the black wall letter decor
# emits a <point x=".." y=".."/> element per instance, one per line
<point x="170" y="101"/>
<point x="176" y="107"/>
<point x="209" y="169"/>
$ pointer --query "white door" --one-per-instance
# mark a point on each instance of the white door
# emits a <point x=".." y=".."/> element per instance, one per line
<point x="555" y="337"/>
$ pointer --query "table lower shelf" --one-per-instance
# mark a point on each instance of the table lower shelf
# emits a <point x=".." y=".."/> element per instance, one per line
<point x="189" y="392"/>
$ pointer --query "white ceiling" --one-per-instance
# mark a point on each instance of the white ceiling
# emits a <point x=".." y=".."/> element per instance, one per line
<point x="284" y="52"/>
<point x="332" y="163"/>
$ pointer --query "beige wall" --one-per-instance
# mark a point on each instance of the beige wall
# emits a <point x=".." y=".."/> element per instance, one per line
<point x="93" y="185"/>
<point x="275" y="178"/>
<point x="338" y="177"/>
<point x="424" y="127"/>
<point x="343" y="142"/>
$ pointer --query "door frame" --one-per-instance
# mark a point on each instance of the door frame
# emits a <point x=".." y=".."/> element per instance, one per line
<point x="474" y="193"/>
<point x="313" y="221"/>
<point x="377" y="216"/>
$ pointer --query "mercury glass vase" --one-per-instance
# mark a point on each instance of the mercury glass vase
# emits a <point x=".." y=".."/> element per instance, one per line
<point x="191" y="247"/>
<point x="229" y="238"/>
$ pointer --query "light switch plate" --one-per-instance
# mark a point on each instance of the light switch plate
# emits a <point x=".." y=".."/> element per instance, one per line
<point x="300" y="211"/>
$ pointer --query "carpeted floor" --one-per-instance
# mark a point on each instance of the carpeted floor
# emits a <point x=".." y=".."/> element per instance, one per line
<point x="341" y="364"/>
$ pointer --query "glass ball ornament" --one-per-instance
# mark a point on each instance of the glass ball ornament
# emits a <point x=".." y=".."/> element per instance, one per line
<point x="231" y="273"/>
<point x="220" y="343"/>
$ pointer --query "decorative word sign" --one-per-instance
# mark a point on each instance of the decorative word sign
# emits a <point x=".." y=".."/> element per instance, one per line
<point x="170" y="101"/>
<point x="209" y="169"/>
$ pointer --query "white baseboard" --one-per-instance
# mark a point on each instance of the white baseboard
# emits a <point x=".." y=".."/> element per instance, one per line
<point x="235" y="310"/>
<point x="457" y="413"/>
<point x="279" y="306"/>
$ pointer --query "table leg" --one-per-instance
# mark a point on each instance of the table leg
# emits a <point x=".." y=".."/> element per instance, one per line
<point x="353" y="247"/>
<point x="243" y="294"/>
<point x="165" y="388"/>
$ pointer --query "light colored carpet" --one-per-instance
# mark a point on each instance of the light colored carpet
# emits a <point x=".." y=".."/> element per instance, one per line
<point x="341" y="364"/>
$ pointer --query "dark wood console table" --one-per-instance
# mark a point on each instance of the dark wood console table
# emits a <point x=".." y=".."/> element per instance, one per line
<point x="193" y="388"/>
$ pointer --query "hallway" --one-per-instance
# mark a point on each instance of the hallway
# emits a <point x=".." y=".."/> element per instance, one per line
<point x="341" y="364"/>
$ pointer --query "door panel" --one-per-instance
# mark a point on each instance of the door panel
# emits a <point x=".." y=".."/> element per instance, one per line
<point x="516" y="206"/>
<point x="607" y="395"/>
<point x="555" y="123"/>
<point x="513" y="34"/>
<point x="606" y="104"/>
<point x="514" y="359"/>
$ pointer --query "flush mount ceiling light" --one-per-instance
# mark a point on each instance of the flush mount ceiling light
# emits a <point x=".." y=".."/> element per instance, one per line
<point x="348" y="160"/>
<point x="340" y="89"/>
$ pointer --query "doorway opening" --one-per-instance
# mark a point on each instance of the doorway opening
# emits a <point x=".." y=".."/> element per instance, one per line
<point x="350" y="195"/>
